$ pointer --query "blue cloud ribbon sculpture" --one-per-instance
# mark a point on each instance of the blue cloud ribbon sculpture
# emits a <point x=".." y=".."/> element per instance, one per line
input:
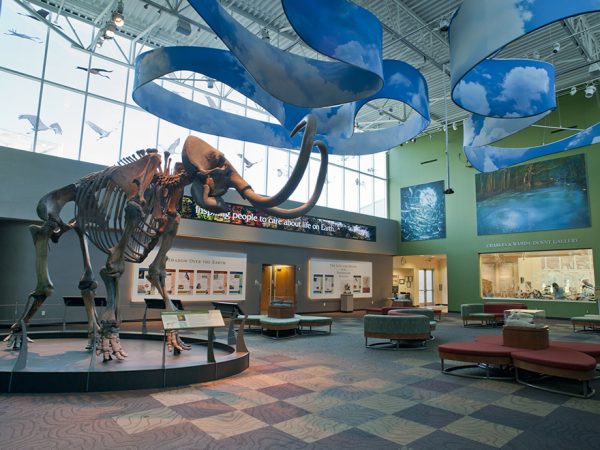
<point x="506" y="95"/>
<point x="290" y="86"/>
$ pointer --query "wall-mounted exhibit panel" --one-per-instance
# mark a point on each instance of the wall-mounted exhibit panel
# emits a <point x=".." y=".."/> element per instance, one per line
<point x="194" y="275"/>
<point x="564" y="275"/>
<point x="332" y="278"/>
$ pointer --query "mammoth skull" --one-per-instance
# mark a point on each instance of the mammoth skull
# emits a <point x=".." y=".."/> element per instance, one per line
<point x="213" y="175"/>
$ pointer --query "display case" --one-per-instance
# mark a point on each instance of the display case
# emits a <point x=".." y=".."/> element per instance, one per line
<point x="541" y="275"/>
<point x="525" y="318"/>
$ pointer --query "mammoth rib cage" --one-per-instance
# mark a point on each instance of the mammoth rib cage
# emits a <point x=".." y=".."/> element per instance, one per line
<point x="100" y="212"/>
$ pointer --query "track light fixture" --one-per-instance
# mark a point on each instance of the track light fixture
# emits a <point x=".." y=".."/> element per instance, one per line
<point x="454" y="126"/>
<point x="444" y="25"/>
<point x="210" y="83"/>
<point x="556" y="47"/>
<point x="590" y="90"/>
<point x="264" y="34"/>
<point x="573" y="90"/>
<point x="117" y="15"/>
<point x="99" y="42"/>
<point x="109" y="32"/>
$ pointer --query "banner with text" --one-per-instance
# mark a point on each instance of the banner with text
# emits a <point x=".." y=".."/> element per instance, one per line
<point x="252" y="217"/>
<point x="332" y="278"/>
<point x="195" y="275"/>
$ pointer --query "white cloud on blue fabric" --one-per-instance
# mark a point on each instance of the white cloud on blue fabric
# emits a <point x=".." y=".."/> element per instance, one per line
<point x="523" y="86"/>
<point x="473" y="97"/>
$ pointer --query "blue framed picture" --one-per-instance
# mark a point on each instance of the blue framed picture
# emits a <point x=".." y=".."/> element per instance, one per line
<point x="423" y="212"/>
<point x="547" y="195"/>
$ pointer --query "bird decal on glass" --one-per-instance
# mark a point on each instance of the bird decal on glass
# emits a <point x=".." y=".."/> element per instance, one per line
<point x="13" y="32"/>
<point x="211" y="102"/>
<point x="101" y="133"/>
<point x="42" y="13"/>
<point x="38" y="125"/>
<point x="247" y="162"/>
<point x="96" y="71"/>
<point x="172" y="148"/>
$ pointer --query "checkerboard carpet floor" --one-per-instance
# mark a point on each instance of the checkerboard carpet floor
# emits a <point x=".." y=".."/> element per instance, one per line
<point x="317" y="392"/>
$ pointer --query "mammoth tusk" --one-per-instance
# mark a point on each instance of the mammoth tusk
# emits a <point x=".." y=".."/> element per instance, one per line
<point x="303" y="209"/>
<point x="310" y="125"/>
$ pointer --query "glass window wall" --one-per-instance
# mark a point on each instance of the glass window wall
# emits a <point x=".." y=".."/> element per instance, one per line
<point x="546" y="275"/>
<point x="88" y="95"/>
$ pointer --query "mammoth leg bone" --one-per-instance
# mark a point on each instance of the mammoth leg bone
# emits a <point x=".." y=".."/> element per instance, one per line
<point x="108" y="339"/>
<point x="48" y="209"/>
<point x="157" y="276"/>
<point x="87" y="286"/>
<point x="44" y="287"/>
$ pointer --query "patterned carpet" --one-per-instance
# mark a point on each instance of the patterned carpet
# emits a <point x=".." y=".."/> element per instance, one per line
<point x="317" y="392"/>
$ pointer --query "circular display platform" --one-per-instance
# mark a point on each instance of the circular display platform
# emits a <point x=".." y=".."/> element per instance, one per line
<point x="58" y="362"/>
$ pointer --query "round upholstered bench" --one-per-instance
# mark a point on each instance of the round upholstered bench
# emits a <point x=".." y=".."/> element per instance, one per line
<point x="589" y="320"/>
<point x="315" y="321"/>
<point x="416" y="311"/>
<point x="485" y="356"/>
<point x="278" y="324"/>
<point x="559" y="362"/>
<point x="396" y="329"/>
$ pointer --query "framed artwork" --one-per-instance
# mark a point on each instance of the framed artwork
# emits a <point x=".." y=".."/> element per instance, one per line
<point x="401" y="281"/>
<point x="423" y="212"/>
<point x="533" y="197"/>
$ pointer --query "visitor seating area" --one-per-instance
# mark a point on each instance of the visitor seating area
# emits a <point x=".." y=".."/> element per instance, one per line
<point x="398" y="331"/>
<point x="430" y="314"/>
<point x="490" y="314"/>
<point x="588" y="322"/>
<point x="293" y="326"/>
<point x="561" y="359"/>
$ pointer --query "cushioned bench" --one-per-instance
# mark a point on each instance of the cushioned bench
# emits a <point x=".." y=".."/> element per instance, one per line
<point x="278" y="324"/>
<point x="253" y="320"/>
<point x="396" y="329"/>
<point x="486" y="313"/>
<point x="480" y="353"/>
<point x="416" y="311"/>
<point x="315" y="321"/>
<point x="559" y="362"/>
<point x="589" y="320"/>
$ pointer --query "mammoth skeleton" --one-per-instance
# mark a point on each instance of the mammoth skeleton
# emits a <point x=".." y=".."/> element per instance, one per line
<point x="128" y="209"/>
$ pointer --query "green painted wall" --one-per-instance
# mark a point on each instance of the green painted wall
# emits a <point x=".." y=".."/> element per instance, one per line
<point x="462" y="245"/>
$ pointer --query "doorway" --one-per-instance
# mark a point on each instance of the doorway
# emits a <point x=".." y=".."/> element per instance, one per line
<point x="421" y="278"/>
<point x="278" y="283"/>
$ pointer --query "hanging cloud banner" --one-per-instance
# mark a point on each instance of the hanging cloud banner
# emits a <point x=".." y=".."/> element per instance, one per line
<point x="290" y="86"/>
<point x="506" y="95"/>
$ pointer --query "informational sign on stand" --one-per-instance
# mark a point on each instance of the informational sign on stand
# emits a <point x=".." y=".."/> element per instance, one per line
<point x="182" y="320"/>
<point x="195" y="275"/>
<point x="332" y="278"/>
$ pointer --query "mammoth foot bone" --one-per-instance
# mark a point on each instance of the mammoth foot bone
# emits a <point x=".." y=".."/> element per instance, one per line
<point x="13" y="340"/>
<point x="109" y="344"/>
<point x="174" y="343"/>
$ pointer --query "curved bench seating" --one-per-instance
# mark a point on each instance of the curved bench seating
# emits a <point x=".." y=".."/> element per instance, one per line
<point x="416" y="311"/>
<point x="278" y="324"/>
<point x="559" y="362"/>
<point x="572" y="360"/>
<point x="253" y="320"/>
<point x="484" y="355"/>
<point x="315" y="321"/>
<point x="260" y="322"/>
<point x="491" y="313"/>
<point x="396" y="328"/>
<point x="589" y="320"/>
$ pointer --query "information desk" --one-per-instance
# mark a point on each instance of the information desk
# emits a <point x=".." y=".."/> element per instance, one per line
<point x="193" y="320"/>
